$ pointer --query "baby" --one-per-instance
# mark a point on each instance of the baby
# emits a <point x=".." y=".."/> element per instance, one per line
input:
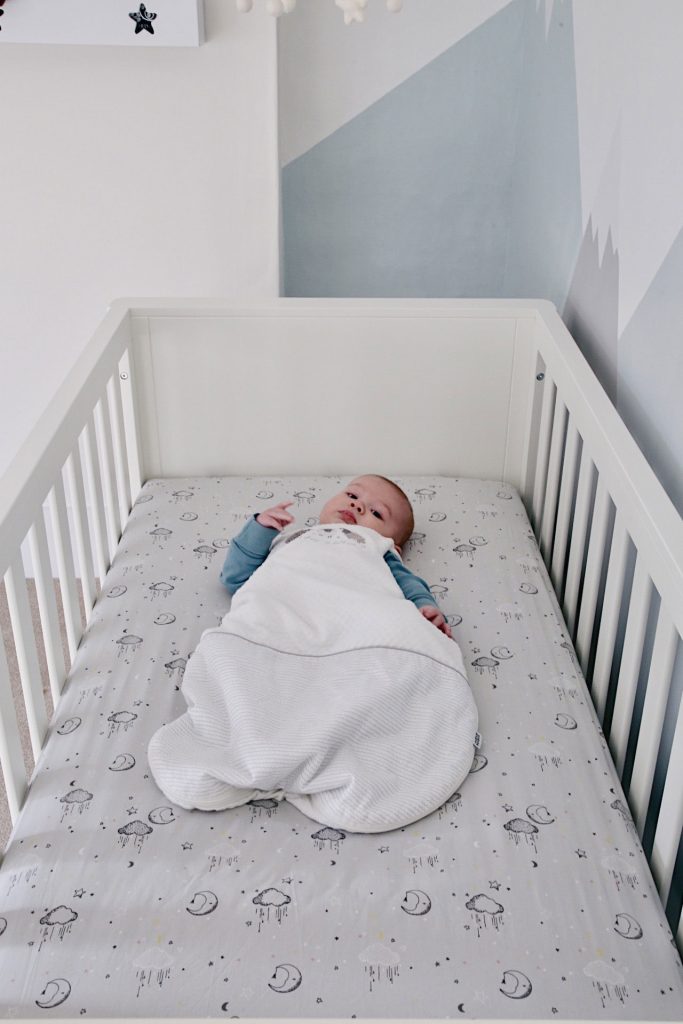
<point x="370" y="501"/>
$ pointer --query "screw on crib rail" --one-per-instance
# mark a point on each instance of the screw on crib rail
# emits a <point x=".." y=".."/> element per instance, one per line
<point x="123" y="376"/>
<point x="540" y="376"/>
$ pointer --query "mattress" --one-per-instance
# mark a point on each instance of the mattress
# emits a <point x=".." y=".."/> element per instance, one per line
<point x="526" y="895"/>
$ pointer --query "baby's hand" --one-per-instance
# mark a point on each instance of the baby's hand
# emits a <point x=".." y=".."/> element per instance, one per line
<point x="432" y="613"/>
<point x="277" y="517"/>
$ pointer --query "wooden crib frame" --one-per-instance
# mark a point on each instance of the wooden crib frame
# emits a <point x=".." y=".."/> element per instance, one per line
<point x="462" y="388"/>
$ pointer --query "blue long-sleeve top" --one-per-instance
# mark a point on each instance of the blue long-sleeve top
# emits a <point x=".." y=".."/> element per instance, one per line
<point x="249" y="549"/>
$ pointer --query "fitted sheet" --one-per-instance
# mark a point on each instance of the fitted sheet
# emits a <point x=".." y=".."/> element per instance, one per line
<point x="525" y="895"/>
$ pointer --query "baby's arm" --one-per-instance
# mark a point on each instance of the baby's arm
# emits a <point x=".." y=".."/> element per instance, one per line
<point x="416" y="590"/>
<point x="249" y="549"/>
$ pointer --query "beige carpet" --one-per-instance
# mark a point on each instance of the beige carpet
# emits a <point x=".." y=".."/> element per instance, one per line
<point x="5" y="629"/>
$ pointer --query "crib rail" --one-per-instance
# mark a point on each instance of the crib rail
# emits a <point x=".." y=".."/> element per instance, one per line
<point x="63" y="505"/>
<point x="613" y="545"/>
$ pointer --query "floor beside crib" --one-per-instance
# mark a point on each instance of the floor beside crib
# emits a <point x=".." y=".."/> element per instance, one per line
<point x="526" y="895"/>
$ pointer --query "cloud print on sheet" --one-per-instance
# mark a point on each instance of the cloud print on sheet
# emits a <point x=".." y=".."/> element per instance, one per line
<point x="455" y="183"/>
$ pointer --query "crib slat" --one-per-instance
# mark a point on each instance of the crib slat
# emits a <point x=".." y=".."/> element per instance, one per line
<point x="74" y="476"/>
<point x="609" y="621"/>
<point x="630" y="663"/>
<point x="578" y="543"/>
<point x="98" y="518"/>
<point x="47" y="606"/>
<point x="65" y="566"/>
<point x="26" y="652"/>
<point x="118" y="443"/>
<point x="130" y="429"/>
<point x="104" y="447"/>
<point x="591" y="581"/>
<point x="564" y="509"/>
<point x="670" y="821"/>
<point x="553" y="483"/>
<point x="541" y="473"/>
<point x="11" y="756"/>
<point x="654" y="708"/>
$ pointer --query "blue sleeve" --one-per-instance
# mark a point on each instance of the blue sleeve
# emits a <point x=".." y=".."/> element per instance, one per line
<point x="414" y="587"/>
<point x="247" y="551"/>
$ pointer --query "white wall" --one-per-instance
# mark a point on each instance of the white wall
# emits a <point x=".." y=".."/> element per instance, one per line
<point x="129" y="172"/>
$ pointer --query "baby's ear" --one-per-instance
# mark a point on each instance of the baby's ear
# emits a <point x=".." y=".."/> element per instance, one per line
<point x="398" y="548"/>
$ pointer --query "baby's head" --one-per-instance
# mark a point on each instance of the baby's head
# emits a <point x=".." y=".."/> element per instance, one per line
<point x="375" y="502"/>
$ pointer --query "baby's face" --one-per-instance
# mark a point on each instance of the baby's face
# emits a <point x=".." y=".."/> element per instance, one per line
<point x="372" y="502"/>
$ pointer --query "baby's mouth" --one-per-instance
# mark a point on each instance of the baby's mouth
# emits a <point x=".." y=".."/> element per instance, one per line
<point x="348" y="517"/>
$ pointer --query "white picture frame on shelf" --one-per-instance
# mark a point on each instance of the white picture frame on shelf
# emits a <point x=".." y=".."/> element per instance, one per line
<point x="107" y="22"/>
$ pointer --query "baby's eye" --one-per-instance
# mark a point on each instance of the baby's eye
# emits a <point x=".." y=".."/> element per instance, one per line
<point x="350" y="495"/>
<point x="376" y="513"/>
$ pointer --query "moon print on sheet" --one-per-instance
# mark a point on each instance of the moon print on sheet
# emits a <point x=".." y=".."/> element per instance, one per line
<point x="515" y="985"/>
<point x="164" y="619"/>
<point x="3" y="925"/>
<point x="416" y="903"/>
<point x="627" y="926"/>
<point x="69" y="725"/>
<point x="189" y="517"/>
<point x="608" y="981"/>
<point x="528" y="588"/>
<point x="56" y="992"/>
<point x="117" y="591"/>
<point x="202" y="903"/>
<point x="501" y="653"/>
<point x="564" y="721"/>
<point x="437" y="517"/>
<point x="122" y="763"/>
<point x="540" y="814"/>
<point x="479" y="541"/>
<point x="333" y="836"/>
<point x="285" y="978"/>
<point x="485" y="911"/>
<point x="154" y="965"/>
<point x="162" y="815"/>
<point x="75" y="798"/>
<point x="380" y="962"/>
<point x="479" y="762"/>
<point x="271" y="898"/>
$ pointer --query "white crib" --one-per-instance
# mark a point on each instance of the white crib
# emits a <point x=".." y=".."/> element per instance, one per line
<point x="481" y="388"/>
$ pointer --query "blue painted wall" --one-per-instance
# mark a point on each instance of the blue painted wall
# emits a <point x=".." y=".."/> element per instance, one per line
<point x="459" y="182"/>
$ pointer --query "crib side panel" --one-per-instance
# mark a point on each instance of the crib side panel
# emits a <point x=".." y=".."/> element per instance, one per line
<point x="613" y="544"/>
<point x="328" y="393"/>
<point x="52" y="526"/>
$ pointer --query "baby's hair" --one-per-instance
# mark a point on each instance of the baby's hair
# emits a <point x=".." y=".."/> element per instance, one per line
<point x="410" y="526"/>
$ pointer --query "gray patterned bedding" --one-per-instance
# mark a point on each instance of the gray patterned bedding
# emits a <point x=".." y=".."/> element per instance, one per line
<point x="526" y="895"/>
